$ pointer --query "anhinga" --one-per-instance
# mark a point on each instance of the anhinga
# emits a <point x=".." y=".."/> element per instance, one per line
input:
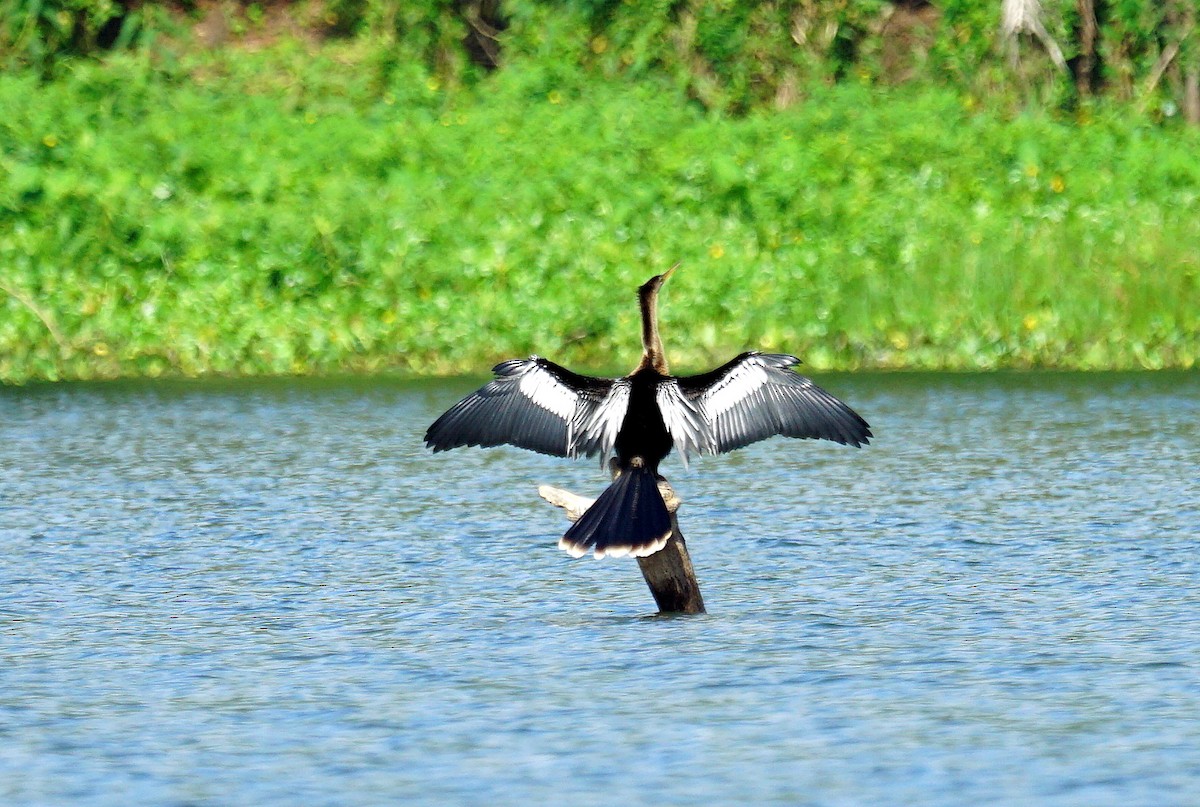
<point x="536" y="404"/>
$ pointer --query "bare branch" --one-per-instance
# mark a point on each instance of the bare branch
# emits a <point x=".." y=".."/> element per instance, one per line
<point x="1164" y="61"/>
<point x="1025" y="17"/>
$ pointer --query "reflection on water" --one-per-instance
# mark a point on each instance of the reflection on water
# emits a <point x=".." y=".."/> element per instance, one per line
<point x="255" y="593"/>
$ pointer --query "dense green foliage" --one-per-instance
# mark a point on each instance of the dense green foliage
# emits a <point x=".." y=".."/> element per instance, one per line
<point x="298" y="211"/>
<point x="42" y="33"/>
<point x="731" y="55"/>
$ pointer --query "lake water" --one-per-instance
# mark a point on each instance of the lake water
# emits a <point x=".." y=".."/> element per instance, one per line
<point x="234" y="593"/>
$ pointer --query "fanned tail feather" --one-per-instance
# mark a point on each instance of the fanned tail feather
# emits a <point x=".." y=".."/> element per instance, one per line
<point x="629" y="518"/>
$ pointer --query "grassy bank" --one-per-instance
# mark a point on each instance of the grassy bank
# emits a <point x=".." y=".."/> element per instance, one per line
<point x="292" y="212"/>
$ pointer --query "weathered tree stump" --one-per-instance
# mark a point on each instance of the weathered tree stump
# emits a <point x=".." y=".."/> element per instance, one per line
<point x="668" y="572"/>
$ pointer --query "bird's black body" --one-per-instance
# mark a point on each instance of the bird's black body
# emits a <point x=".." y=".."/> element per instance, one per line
<point x="643" y="433"/>
<point x="631" y="512"/>
<point x="539" y="405"/>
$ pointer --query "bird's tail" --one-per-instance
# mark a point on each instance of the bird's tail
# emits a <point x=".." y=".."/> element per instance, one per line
<point x="629" y="518"/>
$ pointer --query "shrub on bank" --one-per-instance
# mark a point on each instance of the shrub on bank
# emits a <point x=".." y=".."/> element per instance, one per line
<point x="249" y="220"/>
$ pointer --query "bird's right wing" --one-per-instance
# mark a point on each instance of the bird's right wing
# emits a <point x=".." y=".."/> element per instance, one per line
<point x="539" y="405"/>
<point x="751" y="398"/>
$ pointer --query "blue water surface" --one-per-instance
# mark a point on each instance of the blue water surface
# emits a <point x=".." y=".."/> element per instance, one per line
<point x="270" y="593"/>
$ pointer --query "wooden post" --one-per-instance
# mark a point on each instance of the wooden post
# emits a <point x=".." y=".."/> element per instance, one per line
<point x="671" y="577"/>
<point x="668" y="572"/>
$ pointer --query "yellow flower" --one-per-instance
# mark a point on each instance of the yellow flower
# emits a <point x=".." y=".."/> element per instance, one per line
<point x="716" y="251"/>
<point x="1057" y="185"/>
<point x="100" y="349"/>
<point x="49" y="141"/>
<point x="599" y="45"/>
<point x="1031" y="171"/>
<point x="554" y="97"/>
<point x="1030" y="322"/>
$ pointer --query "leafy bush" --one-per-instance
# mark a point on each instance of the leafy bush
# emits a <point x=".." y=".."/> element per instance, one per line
<point x="40" y="33"/>
<point x="251" y="220"/>
<point x="730" y="56"/>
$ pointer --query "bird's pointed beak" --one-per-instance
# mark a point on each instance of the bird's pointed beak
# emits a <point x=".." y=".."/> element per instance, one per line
<point x="668" y="273"/>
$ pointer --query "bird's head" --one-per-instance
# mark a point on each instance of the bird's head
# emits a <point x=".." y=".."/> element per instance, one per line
<point x="652" y="285"/>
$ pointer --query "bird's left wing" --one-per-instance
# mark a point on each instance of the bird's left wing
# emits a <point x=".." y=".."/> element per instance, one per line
<point x="539" y="405"/>
<point x="753" y="397"/>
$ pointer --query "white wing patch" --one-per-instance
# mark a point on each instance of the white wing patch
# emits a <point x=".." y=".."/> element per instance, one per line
<point x="595" y="425"/>
<point x="535" y="404"/>
<point x="684" y="420"/>
<point x="548" y="392"/>
<point x="757" y="395"/>
<point x="734" y="388"/>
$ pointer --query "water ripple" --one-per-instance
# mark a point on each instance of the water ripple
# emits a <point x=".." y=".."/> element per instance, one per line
<point x="237" y="593"/>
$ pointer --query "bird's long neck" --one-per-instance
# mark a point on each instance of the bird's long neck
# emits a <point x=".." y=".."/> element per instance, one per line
<point x="653" y="356"/>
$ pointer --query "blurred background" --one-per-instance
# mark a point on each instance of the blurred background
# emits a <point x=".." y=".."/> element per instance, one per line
<point x="357" y="186"/>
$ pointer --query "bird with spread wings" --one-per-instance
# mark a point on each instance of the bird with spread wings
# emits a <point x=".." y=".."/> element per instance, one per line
<point x="541" y="406"/>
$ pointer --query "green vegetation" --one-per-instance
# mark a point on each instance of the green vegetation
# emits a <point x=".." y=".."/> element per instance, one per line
<point x="729" y="55"/>
<point x="306" y="209"/>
